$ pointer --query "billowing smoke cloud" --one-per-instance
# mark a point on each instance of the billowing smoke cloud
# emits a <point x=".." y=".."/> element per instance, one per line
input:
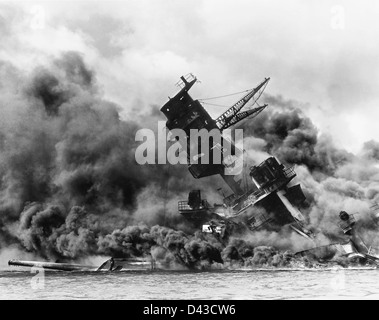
<point x="293" y="138"/>
<point x="70" y="187"/>
<point x="371" y="150"/>
<point x="62" y="146"/>
<point x="332" y="179"/>
<point x="69" y="178"/>
<point x="60" y="141"/>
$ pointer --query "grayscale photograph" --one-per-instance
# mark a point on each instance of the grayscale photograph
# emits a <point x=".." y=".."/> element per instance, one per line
<point x="170" y="151"/>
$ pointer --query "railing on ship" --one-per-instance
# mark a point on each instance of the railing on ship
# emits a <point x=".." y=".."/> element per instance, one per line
<point x="258" y="220"/>
<point x="189" y="77"/>
<point x="289" y="172"/>
<point x="251" y="199"/>
<point x="184" y="206"/>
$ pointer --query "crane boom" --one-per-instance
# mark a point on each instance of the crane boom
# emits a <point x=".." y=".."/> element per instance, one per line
<point x="245" y="114"/>
<point x="223" y="120"/>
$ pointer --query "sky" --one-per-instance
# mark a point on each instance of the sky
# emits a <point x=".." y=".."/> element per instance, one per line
<point x="320" y="55"/>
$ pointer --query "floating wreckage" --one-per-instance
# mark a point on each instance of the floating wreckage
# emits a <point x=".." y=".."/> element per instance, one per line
<point x="111" y="265"/>
<point x="354" y="247"/>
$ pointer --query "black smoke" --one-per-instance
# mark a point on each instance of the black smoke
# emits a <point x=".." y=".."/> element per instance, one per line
<point x="69" y="178"/>
<point x="332" y="178"/>
<point x="70" y="186"/>
<point x="292" y="137"/>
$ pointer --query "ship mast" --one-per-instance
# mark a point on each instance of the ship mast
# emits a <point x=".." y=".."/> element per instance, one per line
<point x="185" y="113"/>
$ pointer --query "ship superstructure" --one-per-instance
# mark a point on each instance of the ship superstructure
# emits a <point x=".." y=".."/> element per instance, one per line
<point x="270" y="191"/>
<point x="271" y="202"/>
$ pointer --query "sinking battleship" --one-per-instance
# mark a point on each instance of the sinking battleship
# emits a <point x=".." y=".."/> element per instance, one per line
<point x="271" y="189"/>
<point x="272" y="202"/>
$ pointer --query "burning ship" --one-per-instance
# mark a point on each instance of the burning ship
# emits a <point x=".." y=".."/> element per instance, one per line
<point x="271" y="202"/>
<point x="270" y="188"/>
<point x="260" y="197"/>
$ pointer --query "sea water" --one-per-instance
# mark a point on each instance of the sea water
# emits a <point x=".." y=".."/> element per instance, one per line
<point x="333" y="283"/>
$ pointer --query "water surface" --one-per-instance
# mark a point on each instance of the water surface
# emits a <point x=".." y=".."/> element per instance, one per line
<point x="241" y="284"/>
